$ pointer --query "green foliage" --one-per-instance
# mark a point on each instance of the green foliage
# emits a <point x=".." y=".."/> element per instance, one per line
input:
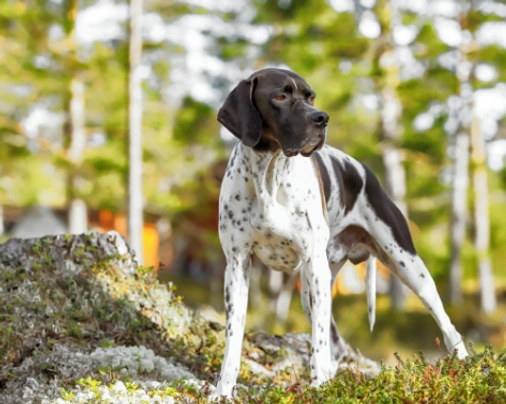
<point x="181" y="145"/>
<point x="195" y="122"/>
<point x="480" y="379"/>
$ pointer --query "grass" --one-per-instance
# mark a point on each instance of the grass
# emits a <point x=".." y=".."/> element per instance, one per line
<point x="479" y="379"/>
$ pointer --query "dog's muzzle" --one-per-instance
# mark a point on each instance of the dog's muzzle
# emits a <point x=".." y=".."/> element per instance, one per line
<point x="314" y="144"/>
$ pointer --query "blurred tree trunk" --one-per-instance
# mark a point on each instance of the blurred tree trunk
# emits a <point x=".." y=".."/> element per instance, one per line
<point x="390" y="130"/>
<point x="481" y="219"/>
<point x="461" y="169"/>
<point x="77" y="212"/>
<point x="135" y="195"/>
<point x="459" y="213"/>
<point x="395" y="175"/>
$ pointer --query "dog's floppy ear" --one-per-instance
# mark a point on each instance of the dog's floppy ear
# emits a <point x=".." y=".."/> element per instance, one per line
<point x="240" y="116"/>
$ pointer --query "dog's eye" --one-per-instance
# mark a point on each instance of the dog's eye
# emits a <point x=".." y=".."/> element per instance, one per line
<point x="280" y="97"/>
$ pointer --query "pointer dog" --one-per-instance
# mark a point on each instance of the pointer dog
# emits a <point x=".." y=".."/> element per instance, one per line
<point x="300" y="205"/>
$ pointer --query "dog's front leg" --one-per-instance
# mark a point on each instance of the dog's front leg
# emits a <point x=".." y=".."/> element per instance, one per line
<point x="237" y="275"/>
<point x="318" y="276"/>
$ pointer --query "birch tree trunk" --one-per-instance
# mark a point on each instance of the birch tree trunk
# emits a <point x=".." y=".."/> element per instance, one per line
<point x="461" y="169"/>
<point x="395" y="175"/>
<point x="459" y="214"/>
<point x="390" y="130"/>
<point x="481" y="219"/>
<point x="135" y="195"/>
<point x="77" y="212"/>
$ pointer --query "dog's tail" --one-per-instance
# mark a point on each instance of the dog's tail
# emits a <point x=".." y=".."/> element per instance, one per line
<point x="370" y="284"/>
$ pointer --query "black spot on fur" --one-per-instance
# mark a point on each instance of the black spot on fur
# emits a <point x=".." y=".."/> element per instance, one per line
<point x="349" y="181"/>
<point x="402" y="264"/>
<point x="232" y="160"/>
<point x="422" y="276"/>
<point x="388" y="212"/>
<point x="324" y="175"/>
<point x="334" y="334"/>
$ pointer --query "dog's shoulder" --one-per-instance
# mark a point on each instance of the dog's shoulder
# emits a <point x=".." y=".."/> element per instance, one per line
<point x="344" y="172"/>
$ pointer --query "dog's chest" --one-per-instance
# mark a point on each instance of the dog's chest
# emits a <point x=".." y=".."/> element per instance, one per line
<point x="278" y="234"/>
<point x="271" y="205"/>
<point x="282" y="228"/>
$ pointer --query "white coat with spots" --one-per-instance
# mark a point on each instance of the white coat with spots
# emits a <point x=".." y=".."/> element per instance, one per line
<point x="299" y="205"/>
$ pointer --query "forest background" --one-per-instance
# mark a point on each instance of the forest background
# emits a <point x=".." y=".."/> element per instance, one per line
<point x="416" y="90"/>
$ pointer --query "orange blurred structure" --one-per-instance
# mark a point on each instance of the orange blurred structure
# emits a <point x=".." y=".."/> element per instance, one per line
<point x="108" y="220"/>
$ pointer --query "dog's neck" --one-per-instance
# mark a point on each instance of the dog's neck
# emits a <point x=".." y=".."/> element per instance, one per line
<point x="276" y="179"/>
<point x="272" y="170"/>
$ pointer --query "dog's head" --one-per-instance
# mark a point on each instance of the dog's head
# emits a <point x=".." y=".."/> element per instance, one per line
<point x="274" y="109"/>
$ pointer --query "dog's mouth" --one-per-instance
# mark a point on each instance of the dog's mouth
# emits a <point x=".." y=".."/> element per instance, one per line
<point x="310" y="146"/>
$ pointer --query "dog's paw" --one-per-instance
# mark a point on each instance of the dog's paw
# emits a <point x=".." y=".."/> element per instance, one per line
<point x="461" y="350"/>
<point x="220" y="395"/>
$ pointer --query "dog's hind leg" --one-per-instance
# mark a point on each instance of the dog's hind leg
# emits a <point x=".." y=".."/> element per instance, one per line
<point x="416" y="276"/>
<point x="392" y="244"/>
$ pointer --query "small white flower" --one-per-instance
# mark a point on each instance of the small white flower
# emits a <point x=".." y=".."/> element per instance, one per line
<point x="119" y="388"/>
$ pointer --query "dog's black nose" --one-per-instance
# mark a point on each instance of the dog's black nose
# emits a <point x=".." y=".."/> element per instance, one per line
<point x="320" y="117"/>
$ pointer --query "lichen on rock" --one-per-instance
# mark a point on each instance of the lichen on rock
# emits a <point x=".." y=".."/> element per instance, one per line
<point x="80" y="321"/>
